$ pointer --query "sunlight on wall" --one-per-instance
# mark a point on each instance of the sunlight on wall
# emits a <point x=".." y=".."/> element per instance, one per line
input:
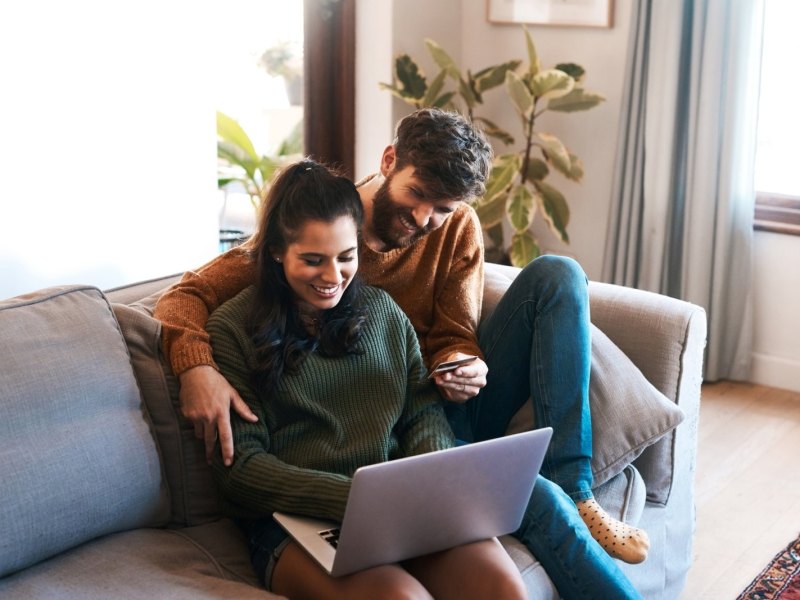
<point x="107" y="157"/>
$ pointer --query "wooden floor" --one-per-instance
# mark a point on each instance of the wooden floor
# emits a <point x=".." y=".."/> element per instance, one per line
<point x="747" y="485"/>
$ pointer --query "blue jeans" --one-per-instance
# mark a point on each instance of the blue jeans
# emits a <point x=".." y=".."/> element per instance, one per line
<point x="537" y="344"/>
<point x="576" y="564"/>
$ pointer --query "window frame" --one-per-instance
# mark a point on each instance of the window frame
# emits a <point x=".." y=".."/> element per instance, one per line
<point x="329" y="83"/>
<point x="777" y="213"/>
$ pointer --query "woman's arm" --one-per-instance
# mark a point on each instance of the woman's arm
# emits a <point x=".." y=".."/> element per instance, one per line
<point x="423" y="426"/>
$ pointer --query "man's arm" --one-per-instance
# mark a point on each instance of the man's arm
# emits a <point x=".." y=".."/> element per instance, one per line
<point x="205" y="396"/>
<point x="454" y="333"/>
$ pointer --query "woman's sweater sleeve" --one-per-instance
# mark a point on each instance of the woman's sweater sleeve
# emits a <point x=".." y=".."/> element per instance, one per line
<point x="258" y="483"/>
<point x="423" y="426"/>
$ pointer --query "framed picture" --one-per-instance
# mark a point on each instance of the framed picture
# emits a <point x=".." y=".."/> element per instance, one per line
<point x="574" y="13"/>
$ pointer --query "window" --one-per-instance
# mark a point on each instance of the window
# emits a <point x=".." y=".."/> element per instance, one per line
<point x="777" y="172"/>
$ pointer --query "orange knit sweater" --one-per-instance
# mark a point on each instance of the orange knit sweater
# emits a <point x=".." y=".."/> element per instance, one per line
<point x="438" y="282"/>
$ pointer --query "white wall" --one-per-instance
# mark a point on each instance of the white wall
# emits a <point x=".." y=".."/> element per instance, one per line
<point x="461" y="27"/>
<point x="107" y="152"/>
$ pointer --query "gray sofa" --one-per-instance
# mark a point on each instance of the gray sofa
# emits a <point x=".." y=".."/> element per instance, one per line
<point x="105" y="491"/>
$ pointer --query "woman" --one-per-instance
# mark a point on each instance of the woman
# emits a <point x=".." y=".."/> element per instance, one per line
<point x="333" y="370"/>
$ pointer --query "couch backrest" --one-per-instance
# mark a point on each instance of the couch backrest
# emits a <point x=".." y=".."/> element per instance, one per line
<point x="78" y="458"/>
<point x="194" y="497"/>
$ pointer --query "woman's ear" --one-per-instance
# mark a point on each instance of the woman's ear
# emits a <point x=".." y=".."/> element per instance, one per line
<point x="388" y="159"/>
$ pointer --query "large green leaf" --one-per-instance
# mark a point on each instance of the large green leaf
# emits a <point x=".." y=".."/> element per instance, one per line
<point x="577" y="99"/>
<point x="555" y="152"/>
<point x="232" y="133"/>
<point x="491" y="77"/>
<point x="551" y="83"/>
<point x="468" y="94"/>
<point x="575" y="71"/>
<point x="523" y="249"/>
<point x="235" y="156"/>
<point x="521" y="208"/>
<point x="556" y="209"/>
<point x="504" y="169"/>
<point x="410" y="77"/>
<point x="491" y="129"/>
<point x="537" y="169"/>
<point x="534" y="65"/>
<point x="442" y="58"/>
<point x="520" y="95"/>
<point x="493" y="211"/>
<point x="443" y="100"/>
<point x="435" y="89"/>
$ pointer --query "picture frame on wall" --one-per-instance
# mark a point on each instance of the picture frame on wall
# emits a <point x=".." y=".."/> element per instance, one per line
<point x="569" y="13"/>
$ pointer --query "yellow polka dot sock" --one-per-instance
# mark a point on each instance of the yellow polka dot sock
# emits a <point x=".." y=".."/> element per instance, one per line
<point x="622" y="541"/>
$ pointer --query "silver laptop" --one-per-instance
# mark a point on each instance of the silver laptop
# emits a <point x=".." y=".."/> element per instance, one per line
<point x="421" y="504"/>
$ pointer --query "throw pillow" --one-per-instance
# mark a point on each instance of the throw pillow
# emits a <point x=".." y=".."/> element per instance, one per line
<point x="628" y="412"/>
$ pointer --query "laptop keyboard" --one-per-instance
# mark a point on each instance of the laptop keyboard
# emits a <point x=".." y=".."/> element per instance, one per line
<point x="331" y="536"/>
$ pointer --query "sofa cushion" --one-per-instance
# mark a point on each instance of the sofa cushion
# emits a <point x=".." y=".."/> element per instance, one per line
<point x="209" y="562"/>
<point x="628" y="413"/>
<point x="78" y="458"/>
<point x="191" y="482"/>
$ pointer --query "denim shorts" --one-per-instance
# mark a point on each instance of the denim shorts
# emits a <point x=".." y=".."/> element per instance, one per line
<point x="266" y="540"/>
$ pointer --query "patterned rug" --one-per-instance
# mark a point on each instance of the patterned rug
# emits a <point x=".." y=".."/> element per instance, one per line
<point x="780" y="579"/>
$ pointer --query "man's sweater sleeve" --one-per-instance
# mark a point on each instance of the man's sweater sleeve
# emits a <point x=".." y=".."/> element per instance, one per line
<point x="185" y="307"/>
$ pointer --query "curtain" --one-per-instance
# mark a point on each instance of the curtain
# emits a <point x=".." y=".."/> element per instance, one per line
<point x="681" y="217"/>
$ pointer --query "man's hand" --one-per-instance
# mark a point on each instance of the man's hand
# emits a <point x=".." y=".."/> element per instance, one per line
<point x="206" y="398"/>
<point x="463" y="383"/>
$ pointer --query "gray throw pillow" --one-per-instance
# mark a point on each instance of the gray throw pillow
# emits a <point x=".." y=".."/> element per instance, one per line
<point x="628" y="412"/>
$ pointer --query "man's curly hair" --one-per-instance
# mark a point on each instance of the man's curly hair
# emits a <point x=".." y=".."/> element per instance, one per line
<point x="448" y="153"/>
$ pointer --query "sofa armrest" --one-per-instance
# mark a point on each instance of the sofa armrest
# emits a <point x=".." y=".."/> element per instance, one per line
<point x="665" y="338"/>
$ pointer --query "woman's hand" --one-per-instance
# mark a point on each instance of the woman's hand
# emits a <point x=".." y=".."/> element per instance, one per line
<point x="464" y="382"/>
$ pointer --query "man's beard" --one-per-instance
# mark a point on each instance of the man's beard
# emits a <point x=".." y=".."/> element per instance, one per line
<point x="385" y="214"/>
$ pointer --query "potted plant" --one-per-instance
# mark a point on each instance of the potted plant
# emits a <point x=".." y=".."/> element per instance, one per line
<point x="283" y="60"/>
<point x="516" y="193"/>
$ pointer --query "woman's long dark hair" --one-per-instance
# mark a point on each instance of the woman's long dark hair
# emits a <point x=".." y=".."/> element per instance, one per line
<point x="302" y="192"/>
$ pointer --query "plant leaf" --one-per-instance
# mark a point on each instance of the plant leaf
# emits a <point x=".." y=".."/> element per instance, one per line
<point x="519" y="93"/>
<point x="469" y="96"/>
<point x="504" y="169"/>
<point x="521" y="208"/>
<point x="435" y="88"/>
<point x="231" y="132"/>
<point x="575" y="71"/>
<point x="410" y="76"/>
<point x="490" y="129"/>
<point x="534" y="65"/>
<point x="491" y="212"/>
<point x="442" y="58"/>
<point x="235" y="156"/>
<point x="577" y="99"/>
<point x="443" y="100"/>
<point x="491" y="77"/>
<point x="556" y="210"/>
<point x="523" y="249"/>
<point x="554" y="152"/>
<point x="537" y="169"/>
<point x="495" y="234"/>
<point x="576" y="169"/>
<point x="551" y="83"/>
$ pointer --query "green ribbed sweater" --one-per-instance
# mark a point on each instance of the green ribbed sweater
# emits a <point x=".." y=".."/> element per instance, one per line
<point x="331" y="417"/>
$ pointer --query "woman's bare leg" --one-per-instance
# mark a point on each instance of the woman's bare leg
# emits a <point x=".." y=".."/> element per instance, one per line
<point x="298" y="577"/>
<point x="481" y="570"/>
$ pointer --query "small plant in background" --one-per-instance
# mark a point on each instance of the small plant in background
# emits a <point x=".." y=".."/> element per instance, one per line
<point x="239" y="161"/>
<point x="516" y="192"/>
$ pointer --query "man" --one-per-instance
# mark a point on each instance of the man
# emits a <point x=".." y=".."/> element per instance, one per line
<point x="422" y="243"/>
